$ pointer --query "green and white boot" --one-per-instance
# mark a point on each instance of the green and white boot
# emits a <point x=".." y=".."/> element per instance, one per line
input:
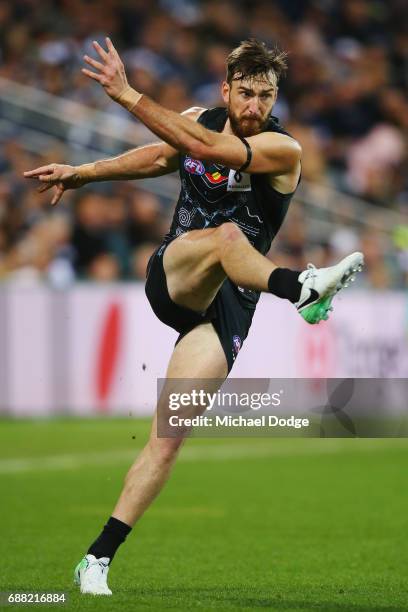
<point x="91" y="575"/>
<point x="320" y="285"/>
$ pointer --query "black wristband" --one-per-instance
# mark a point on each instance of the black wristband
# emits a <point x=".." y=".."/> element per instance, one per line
<point x="238" y="173"/>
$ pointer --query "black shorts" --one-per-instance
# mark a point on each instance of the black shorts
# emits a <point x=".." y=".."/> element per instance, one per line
<point x="230" y="317"/>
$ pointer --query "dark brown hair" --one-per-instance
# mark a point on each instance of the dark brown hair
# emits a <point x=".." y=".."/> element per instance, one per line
<point x="253" y="59"/>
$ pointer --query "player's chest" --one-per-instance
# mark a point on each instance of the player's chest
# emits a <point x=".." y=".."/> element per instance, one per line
<point x="214" y="182"/>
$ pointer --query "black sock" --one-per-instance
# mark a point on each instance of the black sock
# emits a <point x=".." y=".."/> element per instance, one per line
<point x="284" y="284"/>
<point x="112" y="536"/>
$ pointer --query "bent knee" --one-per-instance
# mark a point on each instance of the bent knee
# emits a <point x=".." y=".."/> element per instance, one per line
<point x="229" y="232"/>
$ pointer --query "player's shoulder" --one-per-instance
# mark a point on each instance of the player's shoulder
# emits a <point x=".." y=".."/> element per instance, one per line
<point x="278" y="140"/>
<point x="194" y="112"/>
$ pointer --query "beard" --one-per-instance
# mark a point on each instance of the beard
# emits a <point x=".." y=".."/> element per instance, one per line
<point x="246" y="126"/>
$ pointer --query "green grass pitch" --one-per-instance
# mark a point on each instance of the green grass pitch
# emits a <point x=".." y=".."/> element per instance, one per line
<point x="288" y="524"/>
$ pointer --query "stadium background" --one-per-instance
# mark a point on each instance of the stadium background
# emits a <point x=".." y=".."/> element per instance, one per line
<point x="76" y="335"/>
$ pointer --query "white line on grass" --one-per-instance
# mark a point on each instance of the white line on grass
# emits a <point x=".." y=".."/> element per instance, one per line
<point x="203" y="453"/>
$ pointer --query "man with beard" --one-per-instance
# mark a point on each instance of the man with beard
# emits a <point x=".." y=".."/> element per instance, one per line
<point x="239" y="170"/>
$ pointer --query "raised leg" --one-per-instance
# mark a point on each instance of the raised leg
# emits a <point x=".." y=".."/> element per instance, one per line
<point x="197" y="263"/>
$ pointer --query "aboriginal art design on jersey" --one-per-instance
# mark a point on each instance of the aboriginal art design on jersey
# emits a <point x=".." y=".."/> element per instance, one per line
<point x="206" y="215"/>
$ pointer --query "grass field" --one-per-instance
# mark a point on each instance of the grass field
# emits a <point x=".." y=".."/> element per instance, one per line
<point x="302" y="524"/>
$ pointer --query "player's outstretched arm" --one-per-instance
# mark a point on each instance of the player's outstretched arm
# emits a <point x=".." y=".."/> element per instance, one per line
<point x="144" y="162"/>
<point x="272" y="153"/>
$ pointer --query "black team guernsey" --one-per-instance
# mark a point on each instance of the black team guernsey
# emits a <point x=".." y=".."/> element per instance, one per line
<point x="210" y="195"/>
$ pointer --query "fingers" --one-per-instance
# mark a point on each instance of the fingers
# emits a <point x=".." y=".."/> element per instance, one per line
<point x="93" y="75"/>
<point x="111" y="48"/>
<point x="59" y="190"/>
<point x="47" y="178"/>
<point x="44" y="187"/>
<point x="101" y="52"/>
<point x="37" y="171"/>
<point x="94" y="63"/>
<point x="46" y="174"/>
<point x="111" y="60"/>
<point x="57" y="195"/>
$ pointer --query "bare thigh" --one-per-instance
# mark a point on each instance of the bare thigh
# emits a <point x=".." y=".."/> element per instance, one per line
<point x="193" y="270"/>
<point x="198" y="361"/>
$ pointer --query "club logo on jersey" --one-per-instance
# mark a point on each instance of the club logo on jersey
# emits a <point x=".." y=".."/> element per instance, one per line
<point x="237" y="343"/>
<point x="216" y="178"/>
<point x="194" y="166"/>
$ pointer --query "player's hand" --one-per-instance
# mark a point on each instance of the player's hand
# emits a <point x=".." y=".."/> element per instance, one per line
<point x="110" y="71"/>
<point x="60" y="176"/>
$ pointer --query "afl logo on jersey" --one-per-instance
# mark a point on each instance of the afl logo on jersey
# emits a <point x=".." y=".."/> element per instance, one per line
<point x="194" y="166"/>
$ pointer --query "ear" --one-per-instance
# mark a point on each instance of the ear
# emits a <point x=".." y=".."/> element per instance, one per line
<point x="225" y="92"/>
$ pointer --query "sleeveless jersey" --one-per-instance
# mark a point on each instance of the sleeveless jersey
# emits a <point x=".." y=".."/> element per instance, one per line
<point x="210" y="195"/>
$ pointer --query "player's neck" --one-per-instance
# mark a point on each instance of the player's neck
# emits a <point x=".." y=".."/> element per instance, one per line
<point x="227" y="128"/>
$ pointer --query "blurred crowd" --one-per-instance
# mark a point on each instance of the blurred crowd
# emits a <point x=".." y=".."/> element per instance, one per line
<point x="344" y="97"/>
